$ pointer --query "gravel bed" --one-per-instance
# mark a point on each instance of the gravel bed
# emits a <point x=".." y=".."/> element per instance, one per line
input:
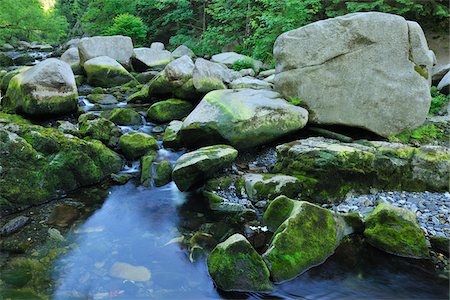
<point x="432" y="209"/>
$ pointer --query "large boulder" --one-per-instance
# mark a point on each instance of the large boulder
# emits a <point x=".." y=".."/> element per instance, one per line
<point x="329" y="169"/>
<point x="306" y="237"/>
<point x="145" y="58"/>
<point x="270" y="186"/>
<point x="172" y="138"/>
<point x="182" y="50"/>
<point x="123" y="116"/>
<point x="47" y="88"/>
<point x="250" y="83"/>
<point x="104" y="71"/>
<point x="395" y="230"/>
<point x="439" y="73"/>
<point x="38" y="164"/>
<point x="72" y="57"/>
<point x="209" y="76"/>
<point x="137" y="144"/>
<point x="119" y="48"/>
<point x="175" y="79"/>
<point x="368" y="70"/>
<point x="196" y="166"/>
<point x="169" y="110"/>
<point x="234" y="265"/>
<point x="244" y="118"/>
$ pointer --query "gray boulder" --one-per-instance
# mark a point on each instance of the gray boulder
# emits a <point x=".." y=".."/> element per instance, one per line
<point x="157" y="46"/>
<point x="229" y="58"/>
<point x="244" y="118"/>
<point x="47" y="88"/>
<point x="439" y="73"/>
<point x="72" y="57"/>
<point x="103" y="71"/>
<point x="181" y="51"/>
<point x="209" y="76"/>
<point x="116" y="47"/>
<point x="250" y="83"/>
<point x="368" y="70"/>
<point x="145" y="58"/>
<point x="444" y="84"/>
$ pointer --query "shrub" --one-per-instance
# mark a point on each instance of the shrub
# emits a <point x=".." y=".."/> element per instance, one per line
<point x="129" y="25"/>
<point x="423" y="134"/>
<point x="242" y="64"/>
<point x="438" y="101"/>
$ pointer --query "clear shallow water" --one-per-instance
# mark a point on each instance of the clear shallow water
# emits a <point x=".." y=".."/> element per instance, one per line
<point x="135" y="226"/>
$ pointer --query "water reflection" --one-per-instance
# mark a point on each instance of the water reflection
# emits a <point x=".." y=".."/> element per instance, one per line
<point x="133" y="226"/>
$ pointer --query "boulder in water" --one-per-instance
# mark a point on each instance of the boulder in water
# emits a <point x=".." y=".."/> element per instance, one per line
<point x="103" y="71"/>
<point x="169" y="110"/>
<point x="137" y="144"/>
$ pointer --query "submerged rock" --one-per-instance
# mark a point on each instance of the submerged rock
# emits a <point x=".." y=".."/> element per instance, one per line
<point x="104" y="71"/>
<point x="63" y="215"/>
<point x="308" y="236"/>
<point x="395" y="230"/>
<point x="48" y="88"/>
<point x="169" y="110"/>
<point x="137" y="144"/>
<point x="39" y="163"/>
<point x="245" y="118"/>
<point x="126" y="271"/>
<point x="194" y="167"/>
<point x="235" y="266"/>
<point x="329" y="169"/>
<point x="369" y="70"/>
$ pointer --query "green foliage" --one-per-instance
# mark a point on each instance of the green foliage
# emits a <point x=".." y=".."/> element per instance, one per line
<point x="129" y="25"/>
<point x="295" y="101"/>
<point x="423" y="134"/>
<point x="243" y="64"/>
<point x="27" y="20"/>
<point x="438" y="101"/>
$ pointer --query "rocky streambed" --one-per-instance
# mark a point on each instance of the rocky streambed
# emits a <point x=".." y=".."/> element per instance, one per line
<point x="143" y="173"/>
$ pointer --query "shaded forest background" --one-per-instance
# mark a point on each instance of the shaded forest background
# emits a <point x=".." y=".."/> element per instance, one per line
<point x="206" y="26"/>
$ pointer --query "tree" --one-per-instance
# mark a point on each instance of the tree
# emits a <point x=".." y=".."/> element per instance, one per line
<point x="129" y="25"/>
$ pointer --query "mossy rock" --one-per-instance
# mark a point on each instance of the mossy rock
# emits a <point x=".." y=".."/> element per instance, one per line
<point x="269" y="186"/>
<point x="39" y="163"/>
<point x="102" y="99"/>
<point x="235" y="266"/>
<point x="196" y="166"/>
<point x="137" y="144"/>
<point x="123" y="116"/>
<point x="8" y="76"/>
<point x="305" y="239"/>
<point x="163" y="173"/>
<point x="98" y="128"/>
<point x="440" y="244"/>
<point x="146" y="168"/>
<point x="172" y="138"/>
<point x="395" y="230"/>
<point x="121" y="179"/>
<point x="104" y="71"/>
<point x="277" y="212"/>
<point x="142" y="96"/>
<point x="169" y="110"/>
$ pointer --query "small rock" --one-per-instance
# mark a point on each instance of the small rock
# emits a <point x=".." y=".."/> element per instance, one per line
<point x="14" y="225"/>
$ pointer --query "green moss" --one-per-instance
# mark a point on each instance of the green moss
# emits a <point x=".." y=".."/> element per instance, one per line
<point x="354" y="221"/>
<point x="168" y="110"/>
<point x="172" y="138"/>
<point x="163" y="173"/>
<point x="395" y="230"/>
<point x="96" y="127"/>
<point x="123" y="116"/>
<point x="146" y="168"/>
<point x="235" y="266"/>
<point x="137" y="144"/>
<point x="142" y="96"/>
<point x="421" y="70"/>
<point x="207" y="84"/>
<point x="423" y="134"/>
<point x="304" y="240"/>
<point x="11" y="118"/>
<point x="107" y="76"/>
<point x="277" y="212"/>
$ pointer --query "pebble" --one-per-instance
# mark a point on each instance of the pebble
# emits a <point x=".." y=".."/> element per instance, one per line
<point x="432" y="209"/>
<point x="13" y="225"/>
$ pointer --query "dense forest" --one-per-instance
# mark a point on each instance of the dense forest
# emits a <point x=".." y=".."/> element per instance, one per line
<point x="206" y="26"/>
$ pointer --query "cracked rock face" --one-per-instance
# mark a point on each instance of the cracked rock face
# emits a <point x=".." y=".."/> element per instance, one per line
<point x="367" y="70"/>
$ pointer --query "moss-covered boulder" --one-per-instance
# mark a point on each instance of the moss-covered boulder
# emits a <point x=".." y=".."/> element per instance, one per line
<point x="163" y="173"/>
<point x="270" y="186"/>
<point x="96" y="127"/>
<point x="329" y="169"/>
<point x="172" y="138"/>
<point x="48" y="88"/>
<point x="305" y="239"/>
<point x="227" y="194"/>
<point x="440" y="244"/>
<point x="137" y="144"/>
<point x="169" y="110"/>
<point x="395" y="230"/>
<point x="104" y="71"/>
<point x="123" y="116"/>
<point x="38" y="163"/>
<point x="196" y="166"/>
<point x="102" y="99"/>
<point x="208" y="76"/>
<point x="235" y="266"/>
<point x="244" y="118"/>
<point x="8" y="76"/>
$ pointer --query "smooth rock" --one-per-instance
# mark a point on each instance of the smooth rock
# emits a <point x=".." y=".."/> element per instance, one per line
<point x="103" y="71"/>
<point x="119" y="48"/>
<point x="181" y="51"/>
<point x="208" y="76"/>
<point x="13" y="225"/>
